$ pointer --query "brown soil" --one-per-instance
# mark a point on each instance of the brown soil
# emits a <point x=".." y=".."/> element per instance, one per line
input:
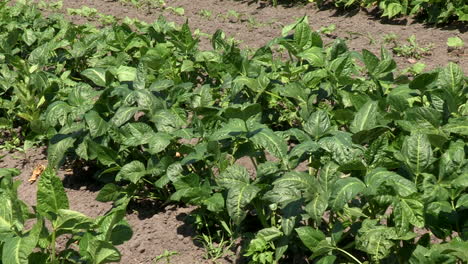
<point x="361" y="28"/>
<point x="154" y="229"/>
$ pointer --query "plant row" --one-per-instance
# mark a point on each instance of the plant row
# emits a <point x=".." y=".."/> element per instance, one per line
<point x="303" y="149"/>
<point x="431" y="11"/>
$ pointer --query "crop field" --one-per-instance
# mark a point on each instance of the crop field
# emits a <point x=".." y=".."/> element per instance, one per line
<point x="223" y="131"/>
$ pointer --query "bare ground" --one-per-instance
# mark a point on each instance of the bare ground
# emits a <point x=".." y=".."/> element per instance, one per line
<point x="257" y="23"/>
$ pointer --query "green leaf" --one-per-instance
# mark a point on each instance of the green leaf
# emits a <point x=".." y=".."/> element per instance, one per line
<point x="132" y="172"/>
<point x="407" y="211"/>
<point x="96" y="125"/>
<point x="124" y="114"/>
<point x="274" y="144"/>
<point x="370" y="60"/>
<point x="366" y="117"/>
<point x="318" y="124"/>
<point x="462" y="202"/>
<point x="345" y="190"/>
<point x="96" y="75"/>
<point x="58" y="146"/>
<point x="233" y="128"/>
<point x="455" y="42"/>
<point x="314" y="55"/>
<point x="457" y="126"/>
<point x="51" y="196"/>
<point x="452" y="79"/>
<point x="239" y="196"/>
<point x="417" y="152"/>
<point x="110" y="192"/>
<point x="380" y="179"/>
<point x="159" y="142"/>
<point x="310" y="237"/>
<point x="375" y="239"/>
<point x="69" y="221"/>
<point x="297" y="180"/>
<point x="317" y="207"/>
<point x="424" y="81"/>
<point x="234" y="175"/>
<point x="17" y="249"/>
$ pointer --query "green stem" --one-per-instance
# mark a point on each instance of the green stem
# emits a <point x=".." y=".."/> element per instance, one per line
<point x="261" y="214"/>
<point x="349" y="255"/>
<point x="53" y="246"/>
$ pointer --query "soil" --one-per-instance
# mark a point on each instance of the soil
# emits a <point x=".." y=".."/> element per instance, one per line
<point x="259" y="22"/>
<point x="158" y="229"/>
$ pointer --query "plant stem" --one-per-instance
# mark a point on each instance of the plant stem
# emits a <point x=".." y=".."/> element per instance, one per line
<point x="53" y="247"/>
<point x="349" y="255"/>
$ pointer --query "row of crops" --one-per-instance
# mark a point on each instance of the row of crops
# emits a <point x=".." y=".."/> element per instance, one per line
<point x="300" y="148"/>
<point x="431" y="11"/>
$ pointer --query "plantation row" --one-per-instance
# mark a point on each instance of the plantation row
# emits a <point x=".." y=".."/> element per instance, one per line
<point x="349" y="162"/>
<point x="431" y="11"/>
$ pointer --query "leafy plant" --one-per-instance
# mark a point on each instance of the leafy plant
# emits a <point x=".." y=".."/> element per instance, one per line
<point x="90" y="240"/>
<point x="412" y="50"/>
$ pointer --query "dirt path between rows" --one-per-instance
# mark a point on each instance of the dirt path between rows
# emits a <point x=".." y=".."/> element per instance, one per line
<point x="257" y="23"/>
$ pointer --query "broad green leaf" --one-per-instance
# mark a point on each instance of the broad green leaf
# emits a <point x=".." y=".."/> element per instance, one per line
<point x="167" y="121"/>
<point x="110" y="192"/>
<point x="314" y="55"/>
<point x="407" y="211"/>
<point x="380" y="179"/>
<point x="317" y="207"/>
<point x="366" y="117"/>
<point x="159" y="142"/>
<point x="132" y="172"/>
<point x="302" y="34"/>
<point x="58" y="146"/>
<point x="234" y="175"/>
<point x="375" y="239"/>
<point x="455" y="42"/>
<point x="452" y="79"/>
<point x="69" y="221"/>
<point x="239" y="196"/>
<point x="344" y="190"/>
<point x="271" y="142"/>
<point x="417" y="152"/>
<point x="318" y="124"/>
<point x="123" y="114"/>
<point x="96" y="125"/>
<point x="457" y="126"/>
<point x="17" y="249"/>
<point x="462" y="202"/>
<point x="297" y="180"/>
<point x="370" y="60"/>
<point x="125" y="73"/>
<point x="327" y="177"/>
<point x="104" y="252"/>
<point x="51" y="196"/>
<point x="57" y="113"/>
<point x="96" y="75"/>
<point x="424" y="81"/>
<point x="310" y="237"/>
<point x="233" y="128"/>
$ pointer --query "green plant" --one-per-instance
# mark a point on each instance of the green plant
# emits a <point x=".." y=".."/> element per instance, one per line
<point x="90" y="240"/>
<point x="166" y="256"/>
<point x="455" y="42"/>
<point x="412" y="50"/>
<point x="432" y="11"/>
<point x="180" y="11"/>
<point x="208" y="14"/>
